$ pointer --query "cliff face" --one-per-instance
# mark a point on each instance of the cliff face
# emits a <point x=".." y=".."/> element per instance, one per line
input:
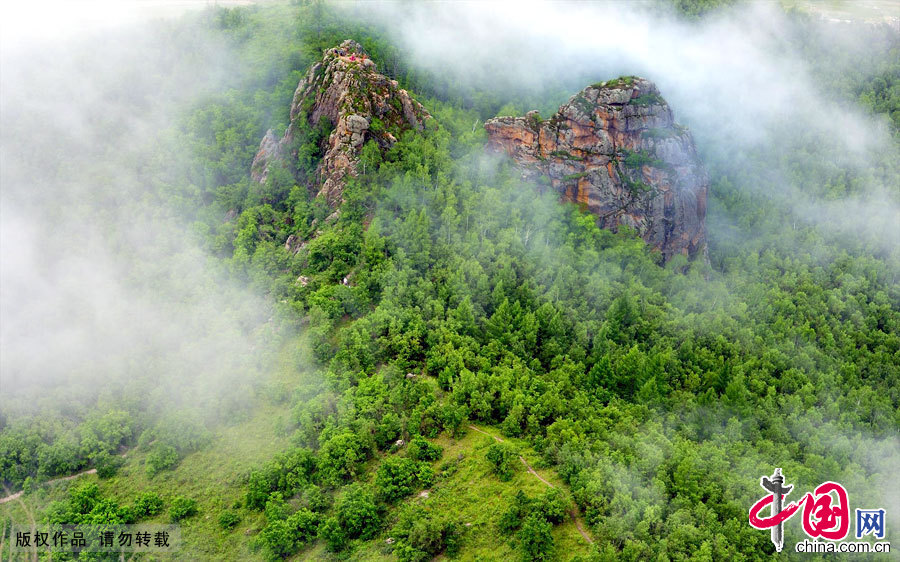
<point x="344" y="88"/>
<point x="615" y="148"/>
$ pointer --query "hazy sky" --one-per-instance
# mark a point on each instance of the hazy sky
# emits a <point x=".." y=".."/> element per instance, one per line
<point x="49" y="20"/>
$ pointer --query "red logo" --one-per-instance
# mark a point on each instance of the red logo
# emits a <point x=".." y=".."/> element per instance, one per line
<point x="821" y="518"/>
<point x="826" y="511"/>
<point x="763" y="523"/>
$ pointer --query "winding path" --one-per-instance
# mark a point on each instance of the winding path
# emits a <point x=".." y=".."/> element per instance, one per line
<point x="573" y="513"/>
<point x="18" y="494"/>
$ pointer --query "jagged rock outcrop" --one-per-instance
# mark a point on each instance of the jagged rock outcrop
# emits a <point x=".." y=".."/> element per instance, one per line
<point x="344" y="88"/>
<point x="615" y="148"/>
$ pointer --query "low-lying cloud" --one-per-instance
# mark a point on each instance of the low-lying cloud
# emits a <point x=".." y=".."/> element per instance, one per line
<point x="737" y="78"/>
<point x="104" y="290"/>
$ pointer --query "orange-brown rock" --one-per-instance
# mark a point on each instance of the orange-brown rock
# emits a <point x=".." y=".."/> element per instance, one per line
<point x="615" y="148"/>
<point x="362" y="104"/>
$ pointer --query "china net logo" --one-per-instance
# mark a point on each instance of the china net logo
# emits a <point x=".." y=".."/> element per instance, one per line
<point x="825" y="515"/>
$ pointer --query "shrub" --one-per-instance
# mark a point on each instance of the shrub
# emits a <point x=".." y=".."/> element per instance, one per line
<point x="425" y="474"/>
<point x="407" y="553"/>
<point x="449" y="468"/>
<point x="566" y="155"/>
<point x="276" y="508"/>
<point x="513" y="517"/>
<point x="502" y="459"/>
<point x="427" y="534"/>
<point x="83" y="498"/>
<point x="229" y="520"/>
<point x="107" y="465"/>
<point x="357" y="513"/>
<point x="186" y="432"/>
<point x="59" y="513"/>
<point x="161" y="457"/>
<point x="258" y="489"/>
<point x="396" y="478"/>
<point x="148" y="504"/>
<point x="282" y="537"/>
<point x="182" y="508"/>
<point x="552" y="506"/>
<point x="285" y="473"/>
<point x="422" y="535"/>
<point x="333" y="534"/>
<point x="659" y="133"/>
<point x="370" y="156"/>
<point x="107" y="512"/>
<point x="636" y="159"/>
<point x="305" y="525"/>
<point x="508" y="110"/>
<point x="340" y="457"/>
<point x="420" y="449"/>
<point x="105" y="433"/>
<point x="28" y="485"/>
<point x="315" y="499"/>
<point x="277" y="539"/>
<point x="646" y="99"/>
<point x="535" y="539"/>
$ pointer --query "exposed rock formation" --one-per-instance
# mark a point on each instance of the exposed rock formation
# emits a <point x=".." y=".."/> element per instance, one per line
<point x="361" y="104"/>
<point x="269" y="149"/>
<point x="615" y="148"/>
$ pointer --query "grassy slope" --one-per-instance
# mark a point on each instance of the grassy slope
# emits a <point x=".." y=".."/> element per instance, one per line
<point x="477" y="498"/>
<point x="212" y="476"/>
<point x="216" y="476"/>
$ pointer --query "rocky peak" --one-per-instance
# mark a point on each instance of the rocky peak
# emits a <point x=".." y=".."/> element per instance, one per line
<point x="615" y="148"/>
<point x="345" y="88"/>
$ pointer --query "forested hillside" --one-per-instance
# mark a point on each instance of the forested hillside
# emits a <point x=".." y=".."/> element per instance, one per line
<point x="457" y="363"/>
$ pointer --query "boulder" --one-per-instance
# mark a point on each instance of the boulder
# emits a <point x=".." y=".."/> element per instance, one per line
<point x="615" y="148"/>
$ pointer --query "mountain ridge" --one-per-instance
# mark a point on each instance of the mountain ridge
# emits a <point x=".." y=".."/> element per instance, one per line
<point x="613" y="147"/>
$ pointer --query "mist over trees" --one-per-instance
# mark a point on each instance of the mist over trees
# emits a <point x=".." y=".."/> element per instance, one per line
<point x="151" y="300"/>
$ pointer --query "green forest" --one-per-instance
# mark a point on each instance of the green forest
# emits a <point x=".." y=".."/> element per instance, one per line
<point x="458" y="365"/>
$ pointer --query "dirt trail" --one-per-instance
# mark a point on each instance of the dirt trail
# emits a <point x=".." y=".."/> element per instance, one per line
<point x="62" y="479"/>
<point x="10" y="498"/>
<point x="573" y="513"/>
<point x="486" y="433"/>
<point x="18" y="494"/>
<point x="536" y="475"/>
